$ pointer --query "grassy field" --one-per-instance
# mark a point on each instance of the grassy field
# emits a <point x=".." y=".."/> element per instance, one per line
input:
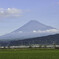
<point x="29" y="54"/>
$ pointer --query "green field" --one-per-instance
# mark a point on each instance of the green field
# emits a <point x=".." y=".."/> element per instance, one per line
<point x="29" y="54"/>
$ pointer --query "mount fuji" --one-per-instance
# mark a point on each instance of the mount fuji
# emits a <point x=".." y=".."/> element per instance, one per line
<point x="31" y="29"/>
<point x="33" y="25"/>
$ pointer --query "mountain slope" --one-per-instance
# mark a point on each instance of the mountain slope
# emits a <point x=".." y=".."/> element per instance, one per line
<point x="30" y="30"/>
<point x="33" y="25"/>
<point x="51" y="39"/>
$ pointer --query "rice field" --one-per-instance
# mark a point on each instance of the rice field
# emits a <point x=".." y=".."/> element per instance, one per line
<point x="30" y="53"/>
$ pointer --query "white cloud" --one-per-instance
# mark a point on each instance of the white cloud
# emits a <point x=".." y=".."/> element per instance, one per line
<point x="10" y="12"/>
<point x="47" y="31"/>
<point x="52" y="30"/>
<point x="20" y="31"/>
<point x="34" y="31"/>
<point x="1" y="8"/>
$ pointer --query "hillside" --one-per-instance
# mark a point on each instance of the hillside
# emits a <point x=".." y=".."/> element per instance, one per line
<point x="51" y="39"/>
<point x="31" y="29"/>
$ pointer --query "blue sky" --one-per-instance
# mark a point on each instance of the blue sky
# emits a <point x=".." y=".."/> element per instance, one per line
<point x="15" y="13"/>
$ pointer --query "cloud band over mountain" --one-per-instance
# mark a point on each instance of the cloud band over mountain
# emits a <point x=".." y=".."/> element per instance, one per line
<point x="47" y="31"/>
